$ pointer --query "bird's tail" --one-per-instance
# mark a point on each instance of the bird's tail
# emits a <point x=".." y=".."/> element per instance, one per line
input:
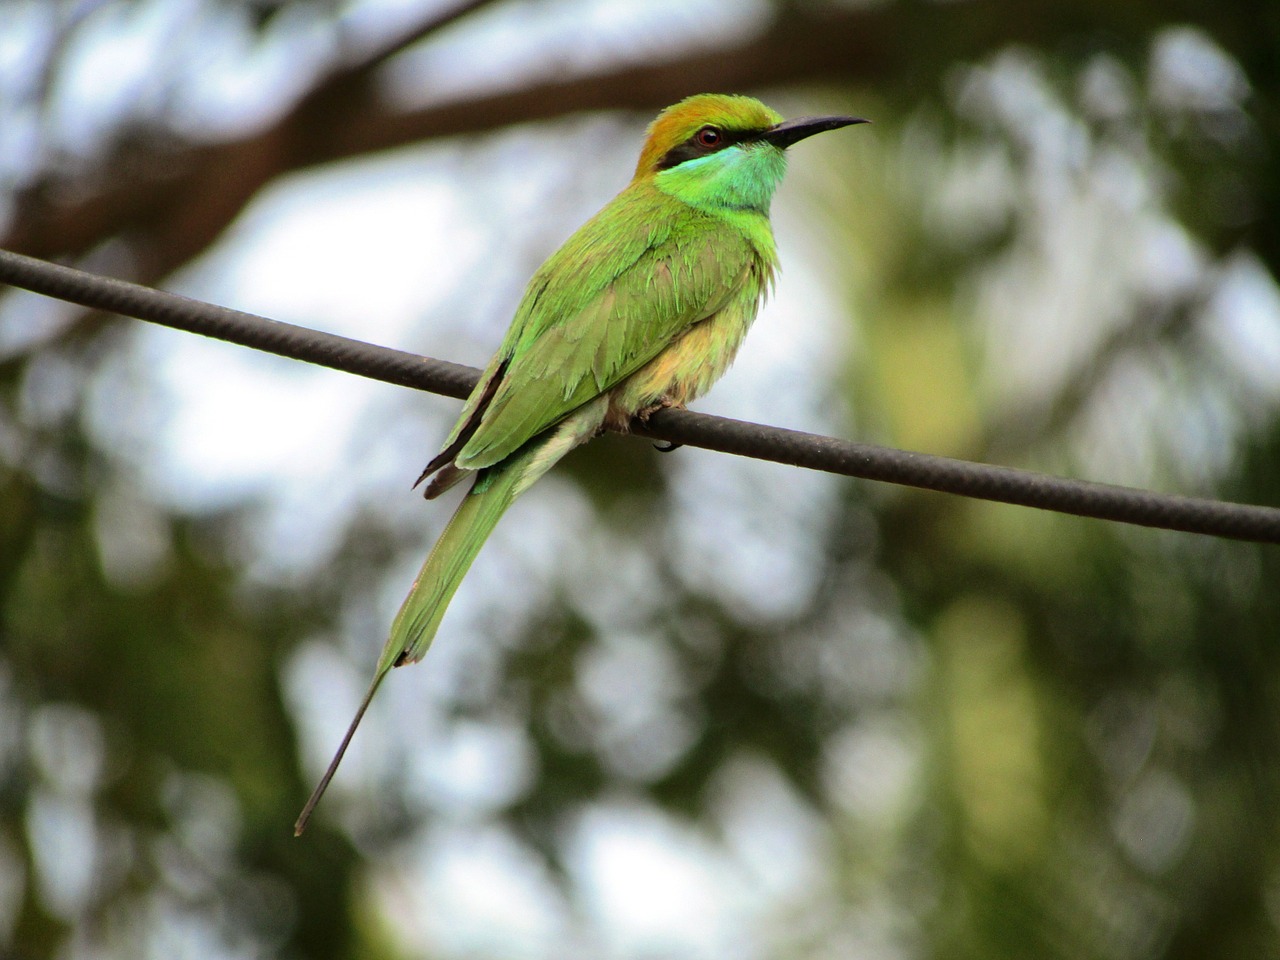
<point x="495" y="489"/>
<point x="419" y="618"/>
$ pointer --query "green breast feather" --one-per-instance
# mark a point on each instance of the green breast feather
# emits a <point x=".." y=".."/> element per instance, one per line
<point x="601" y="308"/>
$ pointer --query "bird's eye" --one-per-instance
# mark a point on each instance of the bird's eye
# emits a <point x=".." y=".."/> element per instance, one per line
<point x="707" y="137"/>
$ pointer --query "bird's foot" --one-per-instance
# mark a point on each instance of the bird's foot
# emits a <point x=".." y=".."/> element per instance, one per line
<point x="665" y="403"/>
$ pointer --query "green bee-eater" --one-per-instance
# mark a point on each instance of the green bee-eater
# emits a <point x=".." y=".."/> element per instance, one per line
<point x="643" y="308"/>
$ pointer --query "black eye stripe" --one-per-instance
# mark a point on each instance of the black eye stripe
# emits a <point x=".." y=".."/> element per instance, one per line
<point x="691" y="149"/>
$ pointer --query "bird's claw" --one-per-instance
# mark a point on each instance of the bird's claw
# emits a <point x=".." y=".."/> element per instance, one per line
<point x="667" y="446"/>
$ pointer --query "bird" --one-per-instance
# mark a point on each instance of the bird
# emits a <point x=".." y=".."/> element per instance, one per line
<point x="643" y="307"/>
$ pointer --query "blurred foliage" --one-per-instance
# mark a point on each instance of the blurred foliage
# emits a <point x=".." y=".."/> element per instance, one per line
<point x="1005" y="734"/>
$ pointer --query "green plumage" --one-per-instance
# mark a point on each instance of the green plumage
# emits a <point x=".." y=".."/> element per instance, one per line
<point x="644" y="306"/>
<point x="620" y="290"/>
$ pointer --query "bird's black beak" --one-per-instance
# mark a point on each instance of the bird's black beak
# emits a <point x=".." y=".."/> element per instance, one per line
<point x="793" y="131"/>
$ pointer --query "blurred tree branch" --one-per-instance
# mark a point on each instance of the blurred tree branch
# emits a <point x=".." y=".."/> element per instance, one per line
<point x="171" y="201"/>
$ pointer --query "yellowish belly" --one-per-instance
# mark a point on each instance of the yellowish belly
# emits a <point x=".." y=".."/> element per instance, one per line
<point x="686" y="369"/>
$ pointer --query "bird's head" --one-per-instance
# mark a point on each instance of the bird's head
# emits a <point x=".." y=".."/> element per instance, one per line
<point x="717" y="150"/>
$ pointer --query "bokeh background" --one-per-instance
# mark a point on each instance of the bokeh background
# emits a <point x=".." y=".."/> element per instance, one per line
<point x="685" y="706"/>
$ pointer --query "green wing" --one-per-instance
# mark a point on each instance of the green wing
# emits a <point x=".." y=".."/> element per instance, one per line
<point x="607" y="302"/>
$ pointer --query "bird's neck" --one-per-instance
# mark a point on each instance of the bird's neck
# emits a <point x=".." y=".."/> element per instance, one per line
<point x="732" y="179"/>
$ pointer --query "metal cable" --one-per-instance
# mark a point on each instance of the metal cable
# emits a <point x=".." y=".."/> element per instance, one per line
<point x="684" y="427"/>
